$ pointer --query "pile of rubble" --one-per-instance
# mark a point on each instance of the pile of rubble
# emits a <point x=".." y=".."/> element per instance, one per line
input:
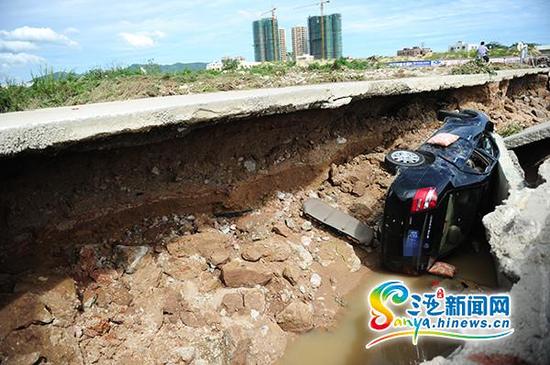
<point x="227" y="290"/>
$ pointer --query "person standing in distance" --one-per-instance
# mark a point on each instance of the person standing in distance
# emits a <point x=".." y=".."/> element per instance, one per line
<point x="483" y="52"/>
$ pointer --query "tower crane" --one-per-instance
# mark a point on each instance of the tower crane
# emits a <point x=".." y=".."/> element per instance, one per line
<point x="274" y="31"/>
<point x="321" y="4"/>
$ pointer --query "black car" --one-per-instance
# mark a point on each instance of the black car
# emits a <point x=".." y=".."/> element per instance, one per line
<point x="438" y="194"/>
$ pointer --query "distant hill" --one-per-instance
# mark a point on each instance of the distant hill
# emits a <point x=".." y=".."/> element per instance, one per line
<point x="176" y="67"/>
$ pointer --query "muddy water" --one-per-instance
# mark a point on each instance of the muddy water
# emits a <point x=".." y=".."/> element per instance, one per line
<point x="345" y="344"/>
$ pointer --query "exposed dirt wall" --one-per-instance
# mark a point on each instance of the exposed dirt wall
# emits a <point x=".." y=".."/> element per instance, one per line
<point x="134" y="248"/>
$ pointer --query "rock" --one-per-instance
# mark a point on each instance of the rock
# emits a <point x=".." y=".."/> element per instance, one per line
<point x="233" y="302"/>
<point x="348" y="254"/>
<point x="155" y="171"/>
<point x="257" y="225"/>
<point x="537" y="113"/>
<point x="24" y="359"/>
<point x="281" y="230"/>
<point x="236" y="343"/>
<point x="98" y="326"/>
<point x="252" y="253"/>
<point x="315" y="280"/>
<point x="305" y="257"/>
<point x="254" y="299"/>
<point x="509" y="108"/>
<point x="250" y="165"/>
<point x="21" y="312"/>
<point x="211" y="245"/>
<point x="268" y="343"/>
<point x="173" y="302"/>
<point x="186" y="354"/>
<point x="218" y="258"/>
<point x="183" y="268"/>
<point x="359" y="189"/>
<point x="130" y="256"/>
<point x="240" y="274"/>
<point x="56" y="344"/>
<point x="291" y="274"/>
<point x="341" y="140"/>
<point x="307" y="226"/>
<point x="442" y="269"/>
<point x="306" y="241"/>
<point x="274" y="249"/>
<point x="296" y="317"/>
<point x="290" y="223"/>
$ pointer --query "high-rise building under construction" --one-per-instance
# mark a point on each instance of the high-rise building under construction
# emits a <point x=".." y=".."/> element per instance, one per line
<point x="282" y="45"/>
<point x="325" y="36"/>
<point x="300" y="43"/>
<point x="266" y="40"/>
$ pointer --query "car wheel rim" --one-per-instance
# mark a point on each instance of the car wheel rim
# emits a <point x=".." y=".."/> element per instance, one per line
<point x="405" y="157"/>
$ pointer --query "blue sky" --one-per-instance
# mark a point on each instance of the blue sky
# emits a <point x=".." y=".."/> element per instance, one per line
<point x="80" y="34"/>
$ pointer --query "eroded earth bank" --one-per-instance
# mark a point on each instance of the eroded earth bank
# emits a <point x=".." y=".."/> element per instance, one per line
<point x="188" y="246"/>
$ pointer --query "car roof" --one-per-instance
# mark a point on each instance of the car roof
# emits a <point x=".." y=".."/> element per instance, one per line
<point x="460" y="151"/>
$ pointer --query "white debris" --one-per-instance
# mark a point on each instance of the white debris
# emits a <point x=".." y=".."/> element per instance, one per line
<point x="341" y="140"/>
<point x="250" y="165"/>
<point x="254" y="314"/>
<point x="307" y="226"/>
<point x="315" y="280"/>
<point x="306" y="241"/>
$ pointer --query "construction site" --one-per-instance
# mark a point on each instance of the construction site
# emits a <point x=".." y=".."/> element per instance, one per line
<point x="170" y="230"/>
<point x="322" y="38"/>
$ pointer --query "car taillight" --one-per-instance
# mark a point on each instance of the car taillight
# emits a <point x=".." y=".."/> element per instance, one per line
<point x="424" y="199"/>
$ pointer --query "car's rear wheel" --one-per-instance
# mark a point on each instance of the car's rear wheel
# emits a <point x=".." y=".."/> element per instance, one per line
<point x="403" y="158"/>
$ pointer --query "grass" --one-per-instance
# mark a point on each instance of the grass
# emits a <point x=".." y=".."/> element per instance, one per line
<point x="51" y="89"/>
<point x="474" y="67"/>
<point x="510" y="129"/>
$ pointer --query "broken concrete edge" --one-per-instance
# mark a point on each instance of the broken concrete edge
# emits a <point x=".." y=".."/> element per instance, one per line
<point x="40" y="129"/>
<point x="529" y="135"/>
<point x="519" y="235"/>
<point x="510" y="175"/>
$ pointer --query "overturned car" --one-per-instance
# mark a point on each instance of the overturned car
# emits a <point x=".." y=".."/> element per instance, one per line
<point x="439" y="192"/>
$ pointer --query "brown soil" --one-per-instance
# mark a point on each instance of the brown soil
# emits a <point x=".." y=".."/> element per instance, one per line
<point x="189" y="246"/>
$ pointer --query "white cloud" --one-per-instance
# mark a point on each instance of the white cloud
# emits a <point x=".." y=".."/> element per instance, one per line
<point x="142" y="39"/>
<point x="38" y="35"/>
<point x="71" y="30"/>
<point x="11" y="59"/>
<point x="16" y="46"/>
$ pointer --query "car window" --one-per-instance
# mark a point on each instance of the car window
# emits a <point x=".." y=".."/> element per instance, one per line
<point x="486" y="145"/>
<point x="477" y="163"/>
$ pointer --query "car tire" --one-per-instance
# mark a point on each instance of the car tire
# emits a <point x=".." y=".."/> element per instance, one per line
<point x="403" y="158"/>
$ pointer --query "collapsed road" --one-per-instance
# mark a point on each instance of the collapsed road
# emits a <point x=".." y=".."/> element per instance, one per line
<point x="184" y="242"/>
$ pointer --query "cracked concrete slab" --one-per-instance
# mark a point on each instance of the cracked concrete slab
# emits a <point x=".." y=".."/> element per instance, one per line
<point x="40" y="129"/>
<point x="529" y="135"/>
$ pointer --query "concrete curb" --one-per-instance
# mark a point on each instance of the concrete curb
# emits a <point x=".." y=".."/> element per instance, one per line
<point x="532" y="134"/>
<point x="39" y="129"/>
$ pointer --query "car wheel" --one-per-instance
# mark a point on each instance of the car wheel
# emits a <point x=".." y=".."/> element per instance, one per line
<point x="403" y="158"/>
